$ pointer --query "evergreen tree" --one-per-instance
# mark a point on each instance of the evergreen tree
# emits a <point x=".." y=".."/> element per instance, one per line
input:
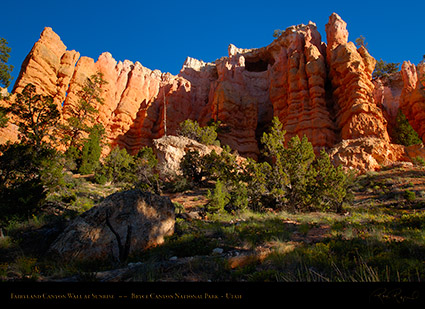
<point x="5" y="69"/>
<point x="331" y="186"/>
<point x="116" y="167"/>
<point x="218" y="199"/>
<point x="293" y="178"/>
<point x="92" y="150"/>
<point x="36" y="116"/>
<point x="289" y="166"/>
<point x="27" y="173"/>
<point x="192" y="167"/>
<point x="403" y="133"/>
<point x="82" y="115"/>
<point x="361" y="41"/>
<point x="296" y="163"/>
<point x="383" y="69"/>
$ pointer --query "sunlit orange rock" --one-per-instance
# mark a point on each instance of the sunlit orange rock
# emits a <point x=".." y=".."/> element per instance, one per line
<point x="298" y="86"/>
<point x="48" y="66"/>
<point x="350" y="72"/>
<point x="412" y="101"/>
<point x="322" y="91"/>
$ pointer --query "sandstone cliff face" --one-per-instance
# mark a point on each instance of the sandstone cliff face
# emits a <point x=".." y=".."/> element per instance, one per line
<point x="412" y="101"/>
<point x="298" y="86"/>
<point x="351" y="76"/>
<point x="49" y="66"/>
<point x="322" y="91"/>
<point x="387" y="94"/>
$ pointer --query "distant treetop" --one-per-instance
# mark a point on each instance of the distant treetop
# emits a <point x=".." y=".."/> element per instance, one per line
<point x="383" y="69"/>
<point x="5" y="68"/>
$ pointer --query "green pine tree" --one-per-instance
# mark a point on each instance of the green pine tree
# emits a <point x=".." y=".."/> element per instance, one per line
<point x="116" y="167"/>
<point x="293" y="178"/>
<point x="383" y="68"/>
<point x="403" y="133"/>
<point x="36" y="116"/>
<point x="92" y="150"/>
<point x="5" y="69"/>
<point x="218" y="199"/>
<point x="82" y="115"/>
<point x="331" y="186"/>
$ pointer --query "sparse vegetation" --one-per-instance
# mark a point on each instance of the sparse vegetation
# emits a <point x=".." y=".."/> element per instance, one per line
<point x="5" y="69"/>
<point x="37" y="117"/>
<point x="294" y="178"/>
<point x="81" y="119"/>
<point x="205" y="135"/>
<point x="292" y="217"/>
<point x="383" y="69"/>
<point x="403" y="133"/>
<point x="277" y="33"/>
<point x="361" y="41"/>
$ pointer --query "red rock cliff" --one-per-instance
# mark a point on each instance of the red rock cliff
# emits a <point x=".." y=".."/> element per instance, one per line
<point x="323" y="91"/>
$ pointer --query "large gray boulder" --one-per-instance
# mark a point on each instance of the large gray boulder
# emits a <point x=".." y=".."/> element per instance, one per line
<point x="121" y="224"/>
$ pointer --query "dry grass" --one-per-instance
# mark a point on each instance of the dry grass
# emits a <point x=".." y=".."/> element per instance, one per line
<point x="379" y="238"/>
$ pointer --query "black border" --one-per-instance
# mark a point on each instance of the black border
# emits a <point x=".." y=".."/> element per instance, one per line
<point x="233" y="293"/>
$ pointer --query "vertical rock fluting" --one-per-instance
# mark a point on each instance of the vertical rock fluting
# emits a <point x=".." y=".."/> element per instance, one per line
<point x="297" y="86"/>
<point x="231" y="103"/>
<point x="350" y="71"/>
<point x="323" y="91"/>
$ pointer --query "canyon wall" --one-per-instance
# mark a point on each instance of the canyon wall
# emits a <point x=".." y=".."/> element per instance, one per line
<point x="323" y="91"/>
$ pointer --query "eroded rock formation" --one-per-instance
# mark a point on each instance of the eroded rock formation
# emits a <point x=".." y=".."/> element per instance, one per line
<point x="323" y="91"/>
<point x="412" y="101"/>
<point x="350" y="72"/>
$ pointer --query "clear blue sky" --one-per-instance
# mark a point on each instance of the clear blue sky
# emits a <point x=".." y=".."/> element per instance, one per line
<point x="161" y="34"/>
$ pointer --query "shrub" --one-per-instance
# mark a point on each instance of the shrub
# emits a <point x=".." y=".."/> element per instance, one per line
<point x="261" y="192"/>
<point x="192" y="167"/>
<point x="91" y="151"/>
<point x="293" y="178"/>
<point x="144" y="167"/>
<point x="331" y="186"/>
<point x="238" y="196"/>
<point x="418" y="161"/>
<point x="223" y="166"/>
<point x="409" y="195"/>
<point x="26" y="176"/>
<point x="116" y="167"/>
<point x="218" y="199"/>
<point x="206" y="135"/>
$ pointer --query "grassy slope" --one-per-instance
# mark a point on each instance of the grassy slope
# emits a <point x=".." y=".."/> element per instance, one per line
<point x="381" y="237"/>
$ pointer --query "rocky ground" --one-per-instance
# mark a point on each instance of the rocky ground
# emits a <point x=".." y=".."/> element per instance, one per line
<point x="378" y="238"/>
